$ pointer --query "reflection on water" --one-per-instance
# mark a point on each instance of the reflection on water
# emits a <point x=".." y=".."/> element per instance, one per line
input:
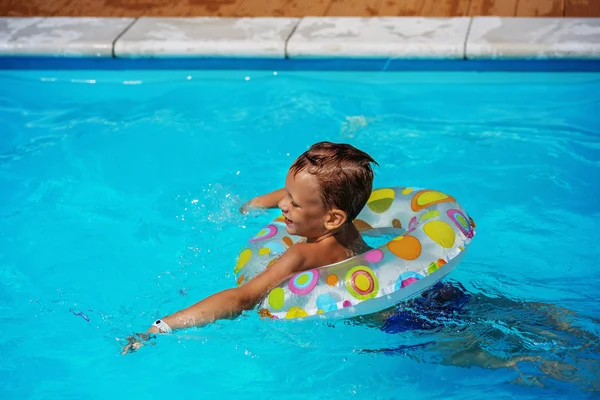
<point x="543" y="342"/>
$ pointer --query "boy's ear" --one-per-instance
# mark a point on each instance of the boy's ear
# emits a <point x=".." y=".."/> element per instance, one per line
<point x="335" y="218"/>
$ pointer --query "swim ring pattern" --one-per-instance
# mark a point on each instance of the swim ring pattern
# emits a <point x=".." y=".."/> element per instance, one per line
<point x="431" y="232"/>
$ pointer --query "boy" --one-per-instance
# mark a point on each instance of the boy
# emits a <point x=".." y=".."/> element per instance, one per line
<point x="325" y="189"/>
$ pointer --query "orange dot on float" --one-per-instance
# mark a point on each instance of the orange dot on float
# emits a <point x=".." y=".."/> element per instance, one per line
<point x="472" y="222"/>
<point x="240" y="279"/>
<point x="287" y="241"/>
<point x="406" y="247"/>
<point x="361" y="225"/>
<point x="332" y="280"/>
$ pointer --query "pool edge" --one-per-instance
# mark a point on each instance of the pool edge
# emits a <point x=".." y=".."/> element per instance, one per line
<point x="384" y="39"/>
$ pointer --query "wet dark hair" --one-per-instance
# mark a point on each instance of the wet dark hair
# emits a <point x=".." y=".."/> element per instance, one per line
<point x="344" y="174"/>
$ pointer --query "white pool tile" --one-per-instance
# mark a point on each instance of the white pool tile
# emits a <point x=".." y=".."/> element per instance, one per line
<point x="206" y="37"/>
<point x="90" y="37"/>
<point x="383" y="37"/>
<point x="534" y="38"/>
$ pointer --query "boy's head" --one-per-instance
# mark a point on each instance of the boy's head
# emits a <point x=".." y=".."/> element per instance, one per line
<point x="339" y="175"/>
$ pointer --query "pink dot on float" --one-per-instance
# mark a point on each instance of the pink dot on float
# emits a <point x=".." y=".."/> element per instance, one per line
<point x="346" y="303"/>
<point x="408" y="281"/>
<point x="374" y="256"/>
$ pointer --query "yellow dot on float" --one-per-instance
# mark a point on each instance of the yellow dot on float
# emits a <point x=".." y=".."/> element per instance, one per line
<point x="431" y="196"/>
<point x="320" y="311"/>
<point x="407" y="191"/>
<point x="381" y="200"/>
<point x="362" y="283"/>
<point x="441" y="233"/>
<point x="264" y="251"/>
<point x="296" y="312"/>
<point x="429" y="215"/>
<point x="406" y="247"/>
<point x="427" y="198"/>
<point x="242" y="260"/>
<point x="276" y="298"/>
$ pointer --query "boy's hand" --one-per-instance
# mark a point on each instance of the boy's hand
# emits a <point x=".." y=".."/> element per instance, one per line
<point x="244" y="208"/>
<point x="248" y="205"/>
<point x="269" y="200"/>
<point x="134" y="343"/>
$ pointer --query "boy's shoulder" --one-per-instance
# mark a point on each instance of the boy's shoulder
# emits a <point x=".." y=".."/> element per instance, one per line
<point x="312" y="255"/>
<point x="300" y="250"/>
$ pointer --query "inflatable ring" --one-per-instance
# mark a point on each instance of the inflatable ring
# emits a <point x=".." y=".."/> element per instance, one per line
<point x="430" y="232"/>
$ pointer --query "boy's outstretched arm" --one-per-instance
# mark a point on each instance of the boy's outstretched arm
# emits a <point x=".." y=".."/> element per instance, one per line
<point x="231" y="302"/>
<point x="269" y="200"/>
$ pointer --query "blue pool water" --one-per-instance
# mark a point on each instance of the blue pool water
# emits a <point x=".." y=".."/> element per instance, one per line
<point x="119" y="198"/>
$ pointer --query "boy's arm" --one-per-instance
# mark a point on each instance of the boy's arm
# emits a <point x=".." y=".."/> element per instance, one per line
<point x="231" y="302"/>
<point x="269" y="200"/>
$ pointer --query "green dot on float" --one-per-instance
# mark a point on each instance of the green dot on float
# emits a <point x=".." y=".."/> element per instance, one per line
<point x="302" y="279"/>
<point x="276" y="298"/>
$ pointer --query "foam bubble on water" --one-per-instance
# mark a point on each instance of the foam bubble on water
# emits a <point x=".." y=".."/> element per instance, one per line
<point x="353" y="124"/>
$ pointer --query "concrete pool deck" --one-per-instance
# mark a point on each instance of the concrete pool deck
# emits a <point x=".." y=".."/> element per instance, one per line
<point x="463" y="38"/>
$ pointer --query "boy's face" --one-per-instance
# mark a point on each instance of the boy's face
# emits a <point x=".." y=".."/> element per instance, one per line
<point x="302" y="206"/>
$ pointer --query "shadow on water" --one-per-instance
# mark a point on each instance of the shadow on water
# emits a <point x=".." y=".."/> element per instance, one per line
<point x="544" y="343"/>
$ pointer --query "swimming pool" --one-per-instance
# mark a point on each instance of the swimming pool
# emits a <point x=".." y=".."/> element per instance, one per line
<point x="120" y="192"/>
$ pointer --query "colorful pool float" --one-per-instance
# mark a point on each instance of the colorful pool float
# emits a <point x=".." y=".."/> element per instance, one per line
<point x="430" y="232"/>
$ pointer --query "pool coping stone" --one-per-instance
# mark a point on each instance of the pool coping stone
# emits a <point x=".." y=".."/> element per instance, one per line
<point x="60" y="36"/>
<point x="382" y="38"/>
